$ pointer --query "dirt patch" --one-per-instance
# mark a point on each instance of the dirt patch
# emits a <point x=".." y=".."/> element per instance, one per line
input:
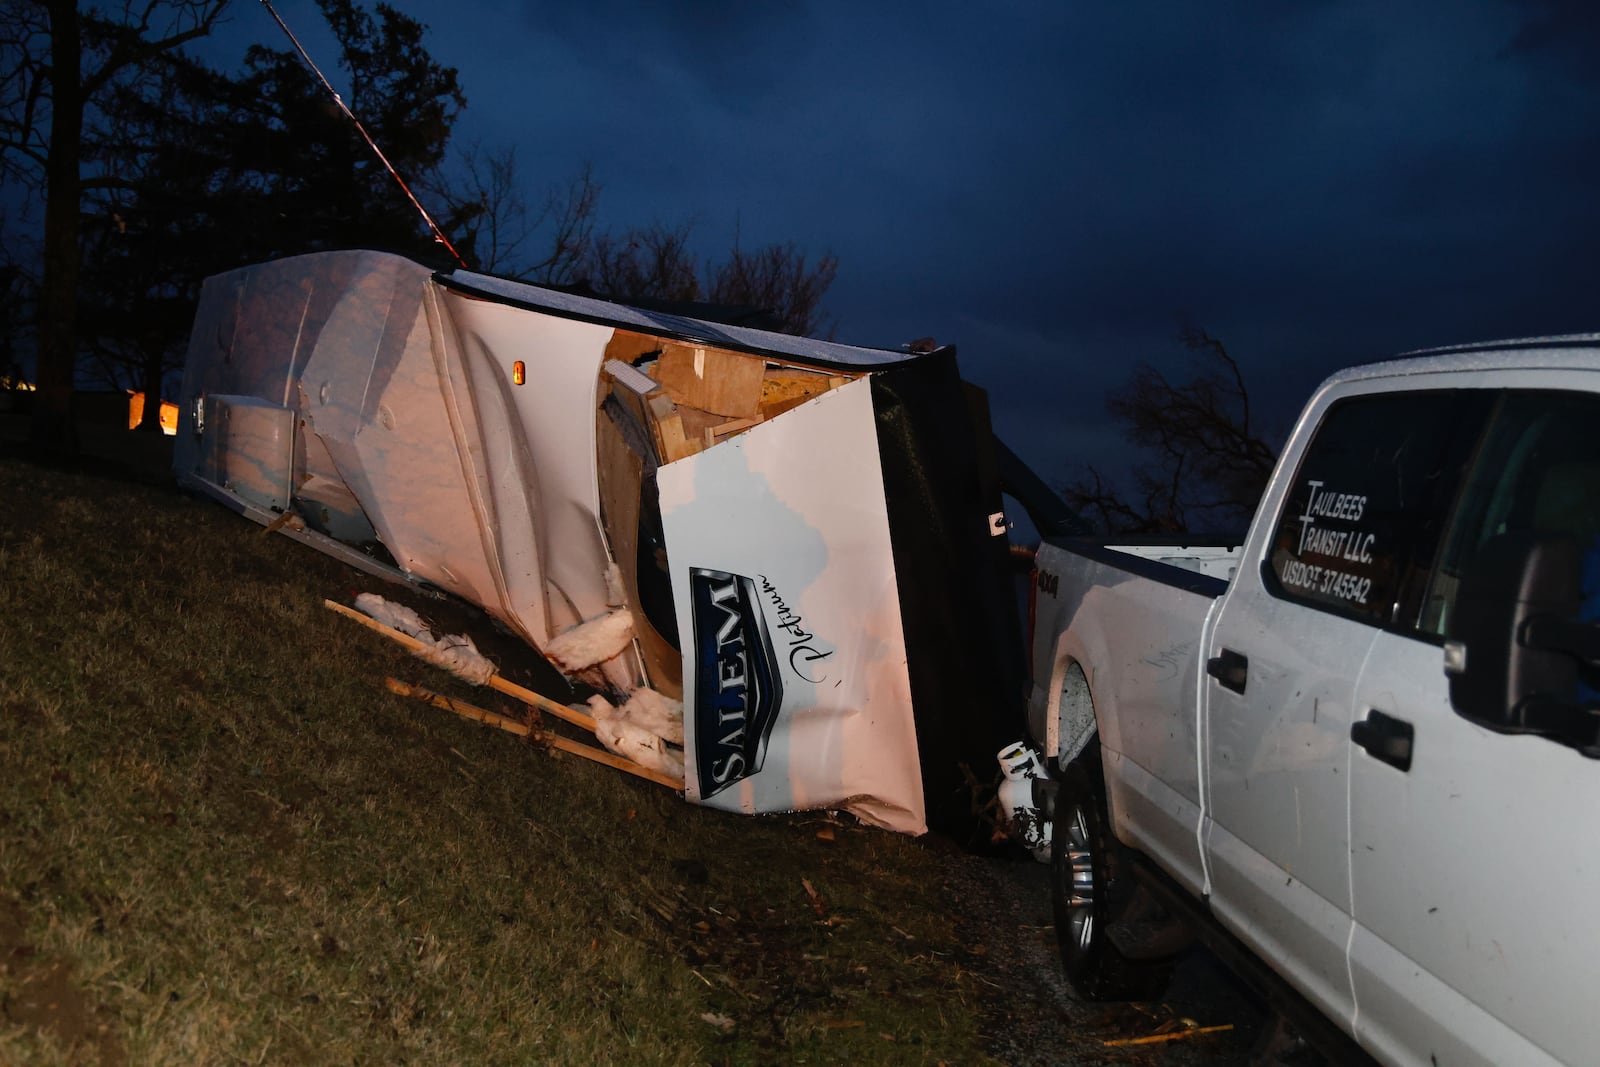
<point x="37" y="992"/>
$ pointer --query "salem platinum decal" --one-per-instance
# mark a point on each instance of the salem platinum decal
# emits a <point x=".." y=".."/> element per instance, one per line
<point x="737" y="692"/>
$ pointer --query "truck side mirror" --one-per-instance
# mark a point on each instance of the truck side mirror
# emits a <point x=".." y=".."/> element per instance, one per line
<point x="1517" y="652"/>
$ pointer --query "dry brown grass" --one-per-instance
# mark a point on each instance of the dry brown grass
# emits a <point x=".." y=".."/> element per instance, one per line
<point x="221" y="841"/>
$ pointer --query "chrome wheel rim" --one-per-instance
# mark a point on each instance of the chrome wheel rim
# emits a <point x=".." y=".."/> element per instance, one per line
<point x="1079" y="874"/>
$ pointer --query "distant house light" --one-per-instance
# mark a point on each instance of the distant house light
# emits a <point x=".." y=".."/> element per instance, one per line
<point x="169" y="414"/>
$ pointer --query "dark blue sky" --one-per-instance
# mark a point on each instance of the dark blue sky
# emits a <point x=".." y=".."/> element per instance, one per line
<point x="1056" y="188"/>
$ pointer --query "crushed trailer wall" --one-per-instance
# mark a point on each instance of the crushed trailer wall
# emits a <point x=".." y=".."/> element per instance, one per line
<point x="799" y="532"/>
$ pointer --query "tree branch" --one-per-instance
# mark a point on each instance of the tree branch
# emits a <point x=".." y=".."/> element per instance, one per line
<point x="131" y="47"/>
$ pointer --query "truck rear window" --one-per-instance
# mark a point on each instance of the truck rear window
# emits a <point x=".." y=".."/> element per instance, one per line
<point x="1358" y="532"/>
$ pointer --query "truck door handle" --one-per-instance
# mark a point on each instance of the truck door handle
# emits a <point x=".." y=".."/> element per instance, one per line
<point x="1385" y="738"/>
<point x="1229" y="668"/>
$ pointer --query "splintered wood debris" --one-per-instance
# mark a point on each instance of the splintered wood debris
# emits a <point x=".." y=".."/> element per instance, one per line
<point x="532" y="731"/>
<point x="1187" y="1028"/>
<point x="682" y="399"/>
<point x="661" y="770"/>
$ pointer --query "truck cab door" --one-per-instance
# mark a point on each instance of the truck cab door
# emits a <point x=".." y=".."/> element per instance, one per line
<point x="1323" y="567"/>
<point x="1474" y="869"/>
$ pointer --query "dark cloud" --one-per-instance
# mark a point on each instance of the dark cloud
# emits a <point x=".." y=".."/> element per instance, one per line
<point x="1568" y="30"/>
<point x="723" y="49"/>
<point x="1057" y="188"/>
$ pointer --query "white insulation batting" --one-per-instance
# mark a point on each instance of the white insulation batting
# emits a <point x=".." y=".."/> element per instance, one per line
<point x="591" y="642"/>
<point x="456" y="653"/>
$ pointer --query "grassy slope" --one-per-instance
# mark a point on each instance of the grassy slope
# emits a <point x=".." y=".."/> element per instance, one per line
<point x="221" y="841"/>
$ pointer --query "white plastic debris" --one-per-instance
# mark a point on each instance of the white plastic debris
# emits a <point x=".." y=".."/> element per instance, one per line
<point x="656" y="712"/>
<point x="591" y="642"/>
<point x="455" y="653"/>
<point x="632" y="741"/>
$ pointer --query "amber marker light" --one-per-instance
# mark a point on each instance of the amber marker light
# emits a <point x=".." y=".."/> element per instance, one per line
<point x="519" y="372"/>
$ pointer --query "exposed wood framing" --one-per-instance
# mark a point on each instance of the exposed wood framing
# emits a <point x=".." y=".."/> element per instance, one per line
<point x="715" y="434"/>
<point x="685" y="398"/>
<point x="787" y="387"/>
<point x="496" y="682"/>
<point x="671" y="439"/>
<point x="523" y="729"/>
<point x="712" y="379"/>
<point x="693" y="397"/>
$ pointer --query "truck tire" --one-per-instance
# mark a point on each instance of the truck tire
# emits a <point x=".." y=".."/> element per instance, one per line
<point x="1091" y="889"/>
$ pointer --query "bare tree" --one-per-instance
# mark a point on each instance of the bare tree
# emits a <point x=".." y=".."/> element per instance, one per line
<point x="58" y="62"/>
<point x="560" y="244"/>
<point x="499" y="232"/>
<point x="1208" y="463"/>
<point x="777" y="279"/>
<point x="653" y="264"/>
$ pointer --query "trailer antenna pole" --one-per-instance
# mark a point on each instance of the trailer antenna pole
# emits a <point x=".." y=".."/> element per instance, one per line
<point x="438" y="234"/>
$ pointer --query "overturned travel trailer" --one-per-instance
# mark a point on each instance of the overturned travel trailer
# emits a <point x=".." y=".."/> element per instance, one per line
<point x="806" y="536"/>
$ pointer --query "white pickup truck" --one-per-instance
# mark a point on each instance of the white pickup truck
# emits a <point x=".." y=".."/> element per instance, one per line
<point x="1360" y="746"/>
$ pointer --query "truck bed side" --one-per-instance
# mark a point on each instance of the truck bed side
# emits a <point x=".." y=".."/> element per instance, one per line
<point x="1116" y="645"/>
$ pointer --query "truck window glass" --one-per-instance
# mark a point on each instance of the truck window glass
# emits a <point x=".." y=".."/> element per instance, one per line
<point x="1365" y="513"/>
<point x="1537" y="471"/>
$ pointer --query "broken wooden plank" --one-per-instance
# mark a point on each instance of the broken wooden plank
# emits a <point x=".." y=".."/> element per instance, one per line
<point x="673" y="443"/>
<point x="717" y="434"/>
<point x="698" y="426"/>
<point x="289" y="518"/>
<point x="495" y="682"/>
<point x="712" y="379"/>
<point x="522" y="729"/>
<point x="1157" y="1039"/>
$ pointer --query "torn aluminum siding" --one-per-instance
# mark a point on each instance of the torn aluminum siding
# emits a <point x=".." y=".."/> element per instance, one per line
<point x="373" y="409"/>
